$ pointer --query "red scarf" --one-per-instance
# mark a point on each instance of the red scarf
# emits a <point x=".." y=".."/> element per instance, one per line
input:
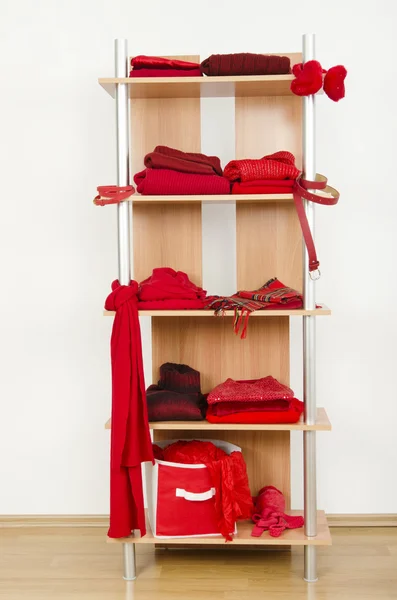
<point x="130" y="437"/>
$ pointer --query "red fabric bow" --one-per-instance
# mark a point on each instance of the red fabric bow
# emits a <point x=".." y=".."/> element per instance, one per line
<point x="130" y="437"/>
<point x="309" y="80"/>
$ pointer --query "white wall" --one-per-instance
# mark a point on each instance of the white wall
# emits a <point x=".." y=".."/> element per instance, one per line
<point x="58" y="252"/>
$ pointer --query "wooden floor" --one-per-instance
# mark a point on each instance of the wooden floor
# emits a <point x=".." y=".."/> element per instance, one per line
<point x="76" y="563"/>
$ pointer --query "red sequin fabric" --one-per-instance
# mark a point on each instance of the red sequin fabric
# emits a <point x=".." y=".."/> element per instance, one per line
<point x="254" y="390"/>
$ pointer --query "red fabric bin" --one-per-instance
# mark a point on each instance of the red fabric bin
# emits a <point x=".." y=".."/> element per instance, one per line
<point x="180" y="497"/>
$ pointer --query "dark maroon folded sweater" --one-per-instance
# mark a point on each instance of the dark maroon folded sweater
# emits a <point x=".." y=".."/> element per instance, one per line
<point x="245" y="64"/>
<point x="164" y="157"/>
<point x="165" y="182"/>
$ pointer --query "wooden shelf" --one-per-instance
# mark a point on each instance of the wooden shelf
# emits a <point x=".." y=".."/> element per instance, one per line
<point x="322" y="424"/>
<point x="318" y="312"/>
<point x="138" y="199"/>
<point x="291" y="537"/>
<point x="204" y="87"/>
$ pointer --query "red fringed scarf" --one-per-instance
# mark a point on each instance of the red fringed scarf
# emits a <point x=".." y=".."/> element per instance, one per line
<point x="130" y="438"/>
<point x="272" y="295"/>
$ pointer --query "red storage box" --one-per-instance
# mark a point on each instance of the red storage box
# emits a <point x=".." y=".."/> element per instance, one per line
<point x="180" y="497"/>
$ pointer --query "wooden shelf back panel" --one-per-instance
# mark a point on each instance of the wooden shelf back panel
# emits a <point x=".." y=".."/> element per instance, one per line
<point x="266" y="453"/>
<point x="269" y="240"/>
<point x="211" y="346"/>
<point x="166" y="235"/>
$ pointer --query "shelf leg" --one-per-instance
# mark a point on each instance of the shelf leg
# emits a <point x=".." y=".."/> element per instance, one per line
<point x="129" y="573"/>
<point x="123" y="159"/>
<point x="309" y="331"/>
<point x="310" y="574"/>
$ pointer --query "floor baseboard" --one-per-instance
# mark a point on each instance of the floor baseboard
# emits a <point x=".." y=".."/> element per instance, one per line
<point x="348" y="520"/>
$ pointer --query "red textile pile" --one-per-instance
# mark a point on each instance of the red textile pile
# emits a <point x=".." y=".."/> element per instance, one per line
<point x="177" y="396"/>
<point x="263" y="400"/>
<point x="272" y="295"/>
<point x="280" y="165"/>
<point x="172" y="172"/>
<point x="167" y="289"/>
<point x="130" y="437"/>
<point x="269" y="514"/>
<point x="157" y="66"/>
<point x="228" y="475"/>
<point x="164" y="157"/>
<point x="245" y="63"/>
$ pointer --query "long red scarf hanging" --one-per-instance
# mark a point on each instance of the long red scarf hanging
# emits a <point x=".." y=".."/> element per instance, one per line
<point x="130" y="439"/>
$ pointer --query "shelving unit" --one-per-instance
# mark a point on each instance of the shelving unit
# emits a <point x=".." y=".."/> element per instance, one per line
<point x="268" y="242"/>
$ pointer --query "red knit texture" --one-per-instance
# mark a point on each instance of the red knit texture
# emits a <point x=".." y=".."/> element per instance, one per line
<point x="130" y="436"/>
<point x="280" y="165"/>
<point x="245" y="64"/>
<point x="228" y="476"/>
<point x="165" y="182"/>
<point x="168" y="405"/>
<point x="164" y="157"/>
<point x="179" y="378"/>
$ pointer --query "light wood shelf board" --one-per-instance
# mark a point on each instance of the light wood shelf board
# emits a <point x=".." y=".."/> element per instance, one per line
<point x="292" y="537"/>
<point x="204" y="87"/>
<point x="249" y="198"/>
<point x="318" y="312"/>
<point x="322" y="424"/>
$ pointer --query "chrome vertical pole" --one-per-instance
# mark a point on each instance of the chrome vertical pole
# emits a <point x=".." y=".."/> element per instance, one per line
<point x="123" y="158"/>
<point x="123" y="214"/>
<point x="129" y="573"/>
<point x="309" y="330"/>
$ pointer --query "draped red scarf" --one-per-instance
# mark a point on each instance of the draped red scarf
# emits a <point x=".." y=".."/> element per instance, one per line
<point x="130" y="438"/>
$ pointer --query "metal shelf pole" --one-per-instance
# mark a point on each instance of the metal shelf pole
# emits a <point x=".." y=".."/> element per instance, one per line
<point x="309" y="331"/>
<point x="123" y="215"/>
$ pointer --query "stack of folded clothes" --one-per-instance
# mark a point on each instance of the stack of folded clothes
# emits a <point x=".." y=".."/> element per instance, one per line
<point x="273" y="295"/>
<point x="245" y="64"/>
<point x="172" y="172"/>
<point x="167" y="289"/>
<point x="177" y="396"/>
<point x="263" y="400"/>
<point x="157" y="66"/>
<point x="272" y="174"/>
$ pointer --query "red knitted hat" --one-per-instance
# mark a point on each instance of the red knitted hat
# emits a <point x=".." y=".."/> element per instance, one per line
<point x="179" y="378"/>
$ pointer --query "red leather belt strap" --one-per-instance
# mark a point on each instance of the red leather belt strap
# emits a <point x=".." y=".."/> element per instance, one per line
<point x="301" y="192"/>
<point x="112" y="194"/>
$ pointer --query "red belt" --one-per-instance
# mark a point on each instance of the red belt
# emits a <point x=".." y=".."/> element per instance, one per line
<point x="301" y="192"/>
<point x="112" y="194"/>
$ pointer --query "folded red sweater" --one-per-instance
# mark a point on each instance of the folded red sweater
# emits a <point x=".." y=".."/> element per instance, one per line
<point x="165" y="73"/>
<point x="292" y="415"/>
<point x="164" y="284"/>
<point x="165" y="182"/>
<point x="228" y="475"/>
<point x="264" y="186"/>
<point x="245" y="63"/>
<point x="159" y="62"/>
<point x="280" y="165"/>
<point x="164" y="157"/>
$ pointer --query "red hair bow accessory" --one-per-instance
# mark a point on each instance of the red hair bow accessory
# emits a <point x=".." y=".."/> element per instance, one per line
<point x="309" y="80"/>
